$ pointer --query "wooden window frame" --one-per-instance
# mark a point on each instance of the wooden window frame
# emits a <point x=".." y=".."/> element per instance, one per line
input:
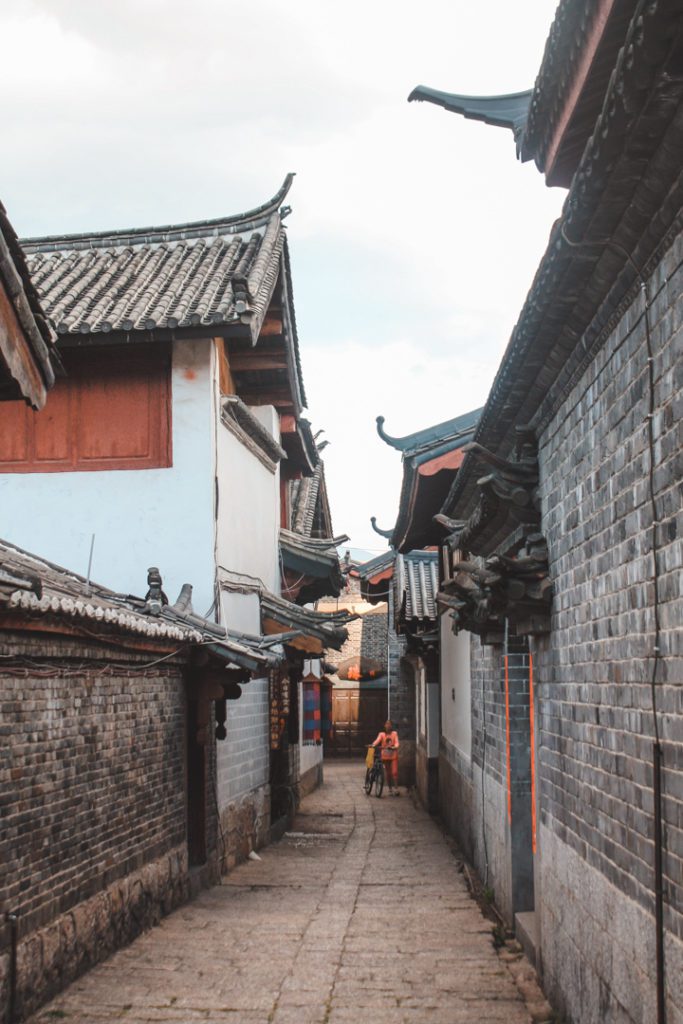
<point x="155" y="361"/>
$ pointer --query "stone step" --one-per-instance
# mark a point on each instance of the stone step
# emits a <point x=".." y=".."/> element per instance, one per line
<point x="526" y="933"/>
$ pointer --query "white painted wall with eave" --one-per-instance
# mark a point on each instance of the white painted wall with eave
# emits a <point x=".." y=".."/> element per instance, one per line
<point x="247" y="537"/>
<point x="247" y="549"/>
<point x="456" y="705"/>
<point x="161" y="517"/>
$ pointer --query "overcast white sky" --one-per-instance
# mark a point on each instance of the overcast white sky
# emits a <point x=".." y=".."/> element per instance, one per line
<point x="414" y="233"/>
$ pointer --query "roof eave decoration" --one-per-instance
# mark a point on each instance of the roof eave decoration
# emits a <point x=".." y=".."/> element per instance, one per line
<point x="431" y="459"/>
<point x="316" y="564"/>
<point x="512" y="583"/>
<point x="387" y="534"/>
<point x="241" y="422"/>
<point x="252" y="219"/>
<point x="507" y="111"/>
<point x="375" y="577"/>
<point x="555" y="336"/>
<point x="439" y="434"/>
<point x="580" y="51"/>
<point x="297" y="440"/>
<point x="317" y="631"/>
<point x="27" y="343"/>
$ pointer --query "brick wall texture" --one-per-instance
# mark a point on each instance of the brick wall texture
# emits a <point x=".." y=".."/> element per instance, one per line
<point x="92" y="795"/>
<point x="367" y="637"/>
<point x="243" y="770"/>
<point x="492" y="827"/>
<point x="593" y="671"/>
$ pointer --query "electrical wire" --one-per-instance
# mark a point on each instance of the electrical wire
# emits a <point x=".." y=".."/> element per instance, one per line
<point x="47" y="669"/>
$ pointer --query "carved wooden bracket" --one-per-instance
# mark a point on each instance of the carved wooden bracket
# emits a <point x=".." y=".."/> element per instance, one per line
<point x="213" y="685"/>
<point x="510" y="579"/>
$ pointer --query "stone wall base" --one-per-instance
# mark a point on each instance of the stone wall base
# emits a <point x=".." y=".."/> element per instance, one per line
<point x="427" y="779"/>
<point x="456" y="803"/>
<point x="52" y="957"/>
<point x="460" y="805"/>
<point x="406" y="763"/>
<point x="597" y="946"/>
<point x="245" y="825"/>
<point x="310" y="780"/>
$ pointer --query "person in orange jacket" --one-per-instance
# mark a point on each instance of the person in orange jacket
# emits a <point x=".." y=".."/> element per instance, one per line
<point x="388" y="741"/>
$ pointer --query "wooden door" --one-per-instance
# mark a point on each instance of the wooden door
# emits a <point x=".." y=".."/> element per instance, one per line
<point x="357" y="717"/>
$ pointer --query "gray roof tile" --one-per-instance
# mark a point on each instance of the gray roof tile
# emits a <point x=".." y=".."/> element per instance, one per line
<point x="179" y="276"/>
<point x="417" y="581"/>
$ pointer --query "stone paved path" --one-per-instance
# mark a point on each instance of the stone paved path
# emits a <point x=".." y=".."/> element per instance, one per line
<point x="359" y="915"/>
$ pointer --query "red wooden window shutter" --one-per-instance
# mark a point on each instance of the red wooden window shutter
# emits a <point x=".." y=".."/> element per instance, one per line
<point x="112" y="411"/>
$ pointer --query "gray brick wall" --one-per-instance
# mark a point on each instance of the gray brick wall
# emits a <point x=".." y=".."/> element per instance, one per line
<point x="488" y="709"/>
<point x="373" y="635"/>
<point x="92" y="799"/>
<point x="594" y="703"/>
<point x="367" y="637"/>
<point x="495" y="835"/>
<point x="243" y="758"/>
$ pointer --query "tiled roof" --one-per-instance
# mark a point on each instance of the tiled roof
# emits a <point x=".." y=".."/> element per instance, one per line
<point x="416" y="582"/>
<point x="316" y="559"/>
<point x="29" y="372"/>
<point x="328" y="628"/>
<point x="305" y="492"/>
<point x="579" y="26"/>
<point x="170" y="278"/>
<point x="31" y="585"/>
<point x="375" y="576"/>
<point x="440" y="433"/>
<point x="430" y="463"/>
<point x="376" y="565"/>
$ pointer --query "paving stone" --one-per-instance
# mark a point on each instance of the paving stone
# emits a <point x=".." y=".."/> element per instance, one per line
<point x="378" y="921"/>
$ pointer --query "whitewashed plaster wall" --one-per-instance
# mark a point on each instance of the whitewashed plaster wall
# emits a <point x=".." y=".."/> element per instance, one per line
<point x="456" y="710"/>
<point x="161" y="517"/>
<point x="248" y="507"/>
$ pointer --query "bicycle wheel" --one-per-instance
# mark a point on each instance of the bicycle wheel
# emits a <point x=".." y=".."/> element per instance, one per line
<point x="379" y="781"/>
<point x="367" y="786"/>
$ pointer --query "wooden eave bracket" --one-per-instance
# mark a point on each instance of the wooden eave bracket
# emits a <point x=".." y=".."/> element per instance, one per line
<point x="512" y="583"/>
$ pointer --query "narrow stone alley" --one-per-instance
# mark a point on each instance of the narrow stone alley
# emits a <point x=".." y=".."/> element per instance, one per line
<point x="360" y="912"/>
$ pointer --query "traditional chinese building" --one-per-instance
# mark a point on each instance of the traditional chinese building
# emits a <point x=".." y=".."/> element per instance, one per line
<point x="562" y="549"/>
<point x="176" y="437"/>
<point x="112" y="711"/>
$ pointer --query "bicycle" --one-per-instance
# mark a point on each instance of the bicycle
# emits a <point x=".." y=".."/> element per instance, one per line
<point x="374" y="776"/>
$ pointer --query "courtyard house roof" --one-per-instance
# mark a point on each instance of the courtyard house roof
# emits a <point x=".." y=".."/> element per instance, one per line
<point x="179" y="276"/>
<point x="34" y="589"/>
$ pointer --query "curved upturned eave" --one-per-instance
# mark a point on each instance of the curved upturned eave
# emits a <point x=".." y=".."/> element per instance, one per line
<point x="250" y="220"/>
<point x="509" y="110"/>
